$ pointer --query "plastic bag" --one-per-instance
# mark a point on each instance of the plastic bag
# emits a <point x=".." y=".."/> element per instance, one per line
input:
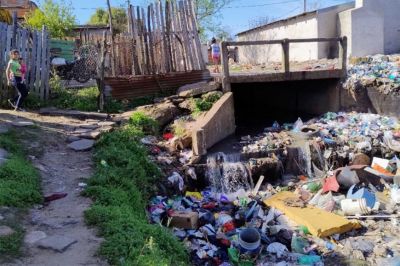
<point x="298" y="125"/>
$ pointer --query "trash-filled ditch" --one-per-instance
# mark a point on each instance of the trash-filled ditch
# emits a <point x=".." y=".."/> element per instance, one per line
<point x="323" y="191"/>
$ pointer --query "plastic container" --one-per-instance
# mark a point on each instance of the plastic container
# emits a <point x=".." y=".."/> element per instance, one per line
<point x="309" y="259"/>
<point x="354" y="206"/>
<point x="249" y="240"/>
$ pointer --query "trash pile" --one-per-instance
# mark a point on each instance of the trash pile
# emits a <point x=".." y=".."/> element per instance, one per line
<point x="379" y="71"/>
<point x="341" y="210"/>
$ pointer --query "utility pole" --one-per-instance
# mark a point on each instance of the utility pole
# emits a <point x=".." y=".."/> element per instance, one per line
<point x="305" y="6"/>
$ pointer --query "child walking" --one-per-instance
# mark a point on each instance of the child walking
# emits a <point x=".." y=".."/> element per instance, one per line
<point x="215" y="54"/>
<point x="15" y="79"/>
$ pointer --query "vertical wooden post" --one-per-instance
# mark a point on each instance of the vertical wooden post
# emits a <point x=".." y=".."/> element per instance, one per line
<point x="15" y="27"/>
<point x="343" y="55"/>
<point x="112" y="38"/>
<point x="226" y="84"/>
<point x="100" y="73"/>
<point x="285" y="56"/>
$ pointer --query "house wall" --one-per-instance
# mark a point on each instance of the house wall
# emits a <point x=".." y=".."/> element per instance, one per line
<point x="328" y="28"/>
<point x="301" y="27"/>
<point x="372" y="27"/>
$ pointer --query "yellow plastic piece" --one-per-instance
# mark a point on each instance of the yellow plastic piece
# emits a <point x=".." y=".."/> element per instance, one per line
<point x="320" y="223"/>
<point x="196" y="195"/>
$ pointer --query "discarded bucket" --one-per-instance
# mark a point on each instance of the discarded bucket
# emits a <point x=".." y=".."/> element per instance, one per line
<point x="355" y="206"/>
<point x="249" y="240"/>
<point x="362" y="193"/>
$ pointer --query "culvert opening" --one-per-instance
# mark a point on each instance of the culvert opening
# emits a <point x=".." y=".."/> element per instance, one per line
<point x="259" y="105"/>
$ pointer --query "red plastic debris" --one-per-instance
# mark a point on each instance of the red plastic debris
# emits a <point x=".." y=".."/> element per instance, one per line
<point x="330" y="184"/>
<point x="168" y="136"/>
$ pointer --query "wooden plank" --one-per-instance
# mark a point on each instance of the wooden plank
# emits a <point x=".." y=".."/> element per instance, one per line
<point x="185" y="36"/>
<point x="196" y="34"/>
<point x="150" y="29"/>
<point x="32" y="72"/>
<point x="160" y="38"/>
<point x="141" y="41"/>
<point x="180" y="38"/>
<point x="47" y="67"/>
<point x="168" y="37"/>
<point x="164" y="40"/>
<point x="175" y="39"/>
<point x="38" y="63"/>
<point x="43" y="65"/>
<point x="137" y="54"/>
<point x="190" y="29"/>
<point x="146" y="43"/>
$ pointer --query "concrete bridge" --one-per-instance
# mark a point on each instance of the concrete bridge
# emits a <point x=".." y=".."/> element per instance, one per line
<point x="287" y="75"/>
<point x="255" y="100"/>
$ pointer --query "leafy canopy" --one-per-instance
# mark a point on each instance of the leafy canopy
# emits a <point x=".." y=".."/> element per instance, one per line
<point x="208" y="15"/>
<point x="120" y="19"/>
<point x="57" y="16"/>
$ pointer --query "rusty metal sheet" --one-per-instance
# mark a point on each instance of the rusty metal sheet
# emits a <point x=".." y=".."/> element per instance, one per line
<point x="130" y="87"/>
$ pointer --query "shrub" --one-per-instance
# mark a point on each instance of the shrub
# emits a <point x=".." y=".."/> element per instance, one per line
<point x="145" y="123"/>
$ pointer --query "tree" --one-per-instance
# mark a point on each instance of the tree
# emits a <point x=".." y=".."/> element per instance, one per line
<point x="120" y="19"/>
<point x="58" y="18"/>
<point x="206" y="14"/>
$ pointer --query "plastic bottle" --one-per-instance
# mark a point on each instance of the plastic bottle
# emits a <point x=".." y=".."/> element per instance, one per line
<point x="309" y="259"/>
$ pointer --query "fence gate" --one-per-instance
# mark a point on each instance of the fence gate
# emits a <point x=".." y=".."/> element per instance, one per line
<point x="34" y="48"/>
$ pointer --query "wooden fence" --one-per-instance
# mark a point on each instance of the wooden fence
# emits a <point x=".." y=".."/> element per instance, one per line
<point x="34" y="49"/>
<point x="166" y="38"/>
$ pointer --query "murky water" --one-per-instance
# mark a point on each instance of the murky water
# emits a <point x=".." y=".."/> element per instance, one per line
<point x="227" y="174"/>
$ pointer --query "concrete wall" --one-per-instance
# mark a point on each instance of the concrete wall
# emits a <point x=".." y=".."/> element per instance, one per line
<point x="328" y="28"/>
<point x="372" y="27"/>
<point x="305" y="26"/>
<point x="215" y="125"/>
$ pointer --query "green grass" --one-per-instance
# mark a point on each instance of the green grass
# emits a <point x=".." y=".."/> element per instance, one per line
<point x="19" y="187"/>
<point x="206" y="102"/>
<point x="124" y="180"/>
<point x="19" y="180"/>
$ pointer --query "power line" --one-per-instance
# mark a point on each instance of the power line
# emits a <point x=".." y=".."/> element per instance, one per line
<point x="260" y="5"/>
<point x="244" y="6"/>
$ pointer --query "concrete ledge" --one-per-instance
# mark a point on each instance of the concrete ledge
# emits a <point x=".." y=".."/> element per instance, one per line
<point x="215" y="125"/>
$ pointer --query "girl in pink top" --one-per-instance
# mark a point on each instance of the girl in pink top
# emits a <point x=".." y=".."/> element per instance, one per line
<point x="23" y="69"/>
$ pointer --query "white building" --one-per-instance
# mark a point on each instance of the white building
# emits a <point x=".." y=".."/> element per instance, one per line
<point x="371" y="26"/>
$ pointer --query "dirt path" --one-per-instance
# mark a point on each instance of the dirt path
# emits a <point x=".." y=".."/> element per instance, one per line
<point x="62" y="169"/>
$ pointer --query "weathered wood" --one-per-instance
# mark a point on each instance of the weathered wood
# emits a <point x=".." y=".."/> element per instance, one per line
<point x="196" y="34"/>
<point x="146" y="43"/>
<point x="164" y="40"/>
<point x="150" y="28"/>
<point x="137" y="53"/>
<point x="43" y="66"/>
<point x="189" y="28"/>
<point x="101" y="72"/>
<point x="141" y="41"/>
<point x="188" y="51"/>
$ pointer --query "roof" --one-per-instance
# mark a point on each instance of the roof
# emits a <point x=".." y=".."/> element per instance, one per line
<point x="305" y="14"/>
<point x="20" y="6"/>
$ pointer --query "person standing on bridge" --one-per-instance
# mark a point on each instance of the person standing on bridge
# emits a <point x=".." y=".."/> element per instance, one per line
<point x="215" y="54"/>
<point x="15" y="75"/>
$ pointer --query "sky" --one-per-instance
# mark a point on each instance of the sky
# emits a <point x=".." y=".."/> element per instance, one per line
<point x="236" y="17"/>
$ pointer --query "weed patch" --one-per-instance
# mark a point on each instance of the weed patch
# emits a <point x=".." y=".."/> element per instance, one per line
<point x="19" y="187"/>
<point x="124" y="180"/>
